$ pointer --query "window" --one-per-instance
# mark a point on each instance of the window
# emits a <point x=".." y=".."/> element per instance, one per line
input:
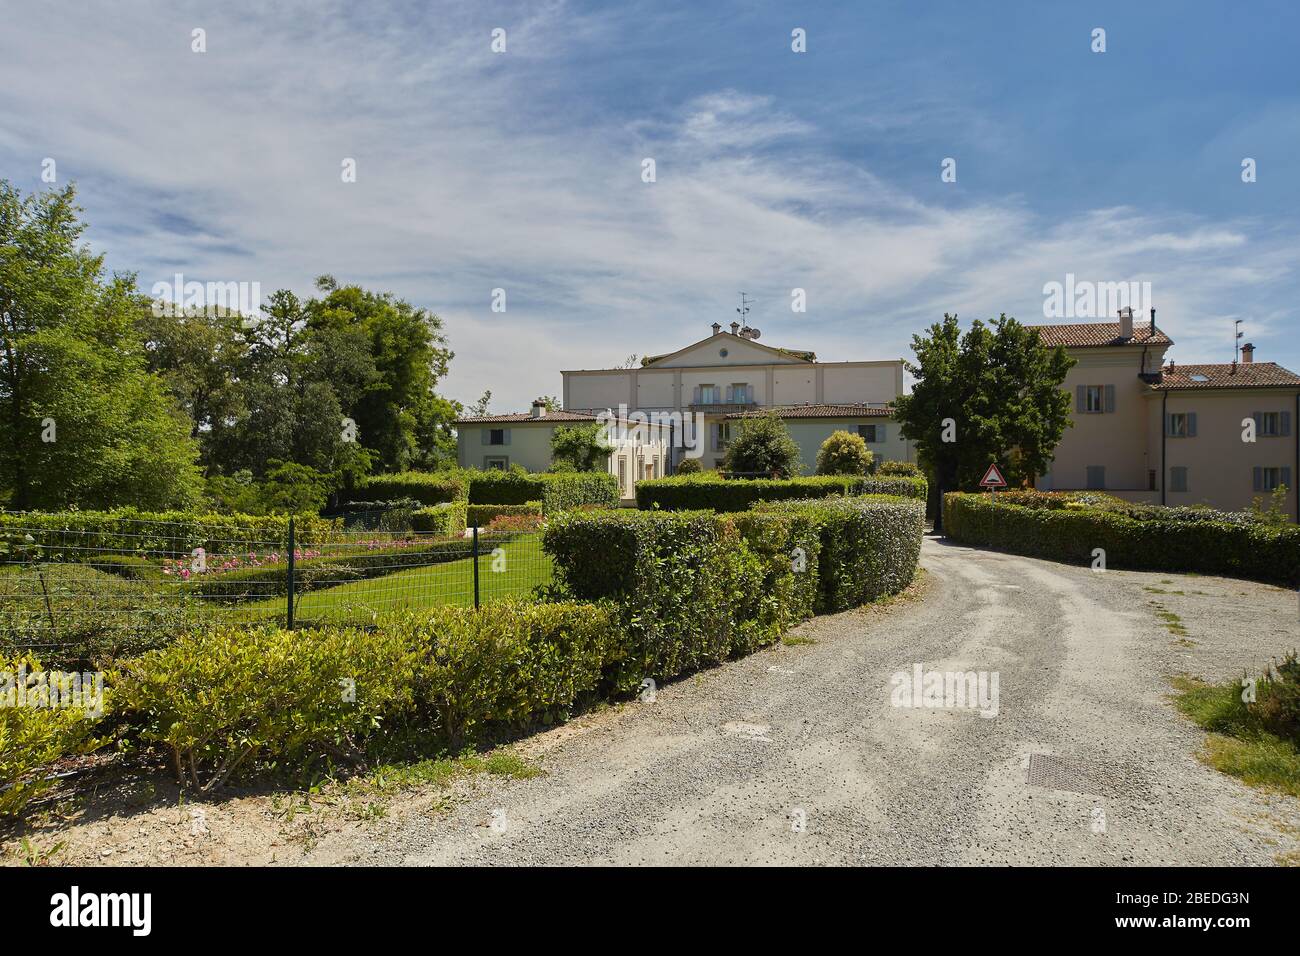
<point x="1178" y="478"/>
<point x="740" y="393"/>
<point x="622" y="475"/>
<point x="710" y="395"/>
<point x="496" y="463"/>
<point x="1269" y="424"/>
<point x="721" y="436"/>
<point x="1096" y="477"/>
<point x="1181" y="425"/>
<point x="872" y="433"/>
<point x="1270" y="479"/>
<point x="1093" y="399"/>
<point x="496" y="436"/>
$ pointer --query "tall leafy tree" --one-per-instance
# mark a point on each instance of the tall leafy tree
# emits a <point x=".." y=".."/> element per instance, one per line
<point x="991" y="395"/>
<point x="763" y="445"/>
<point x="85" y="423"/>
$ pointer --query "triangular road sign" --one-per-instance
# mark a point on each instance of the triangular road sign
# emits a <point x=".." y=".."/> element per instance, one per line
<point x="993" y="478"/>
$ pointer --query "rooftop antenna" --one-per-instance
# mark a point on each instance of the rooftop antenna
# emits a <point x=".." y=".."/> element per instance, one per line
<point x="744" y="307"/>
<point x="1236" y="340"/>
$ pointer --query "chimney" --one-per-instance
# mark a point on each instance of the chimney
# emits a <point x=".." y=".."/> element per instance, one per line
<point x="716" y="328"/>
<point x="539" y="408"/>
<point x="1153" y="320"/>
<point x="1126" y="323"/>
<point x="735" y="328"/>
<point x="1247" y="354"/>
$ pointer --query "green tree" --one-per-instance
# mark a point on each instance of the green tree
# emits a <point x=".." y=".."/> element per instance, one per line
<point x="85" y="422"/>
<point x="843" y="453"/>
<point x="763" y="445"/>
<point x="580" y="448"/>
<point x="991" y="395"/>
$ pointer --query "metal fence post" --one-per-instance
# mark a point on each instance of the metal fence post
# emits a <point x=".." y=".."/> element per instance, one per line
<point x="475" y="553"/>
<point x="289" y="610"/>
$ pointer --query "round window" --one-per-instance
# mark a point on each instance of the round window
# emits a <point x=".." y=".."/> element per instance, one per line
<point x="722" y="352"/>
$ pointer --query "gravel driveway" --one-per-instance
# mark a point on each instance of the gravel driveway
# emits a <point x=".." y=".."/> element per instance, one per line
<point x="796" y="755"/>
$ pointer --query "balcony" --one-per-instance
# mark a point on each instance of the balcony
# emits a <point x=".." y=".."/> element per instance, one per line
<point x="722" y="408"/>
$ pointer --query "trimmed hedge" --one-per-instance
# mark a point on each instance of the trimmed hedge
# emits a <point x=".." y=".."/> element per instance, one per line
<point x="1257" y="551"/>
<point x="870" y="545"/>
<point x="557" y="491"/>
<point x="429" y="488"/>
<point x="706" y="490"/>
<point x="482" y="515"/>
<point x="445" y="520"/>
<point x="72" y="535"/>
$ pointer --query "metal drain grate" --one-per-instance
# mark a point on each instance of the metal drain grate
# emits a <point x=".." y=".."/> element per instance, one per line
<point x="1061" y="773"/>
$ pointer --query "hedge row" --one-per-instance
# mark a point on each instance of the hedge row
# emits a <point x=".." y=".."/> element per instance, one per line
<point x="1256" y="551"/>
<point x="557" y="491"/>
<point x="72" y="535"/>
<point x="870" y="545"/>
<point x="696" y="587"/>
<point x="482" y="515"/>
<point x="445" y="520"/>
<point x="429" y="488"/>
<point x="704" y="490"/>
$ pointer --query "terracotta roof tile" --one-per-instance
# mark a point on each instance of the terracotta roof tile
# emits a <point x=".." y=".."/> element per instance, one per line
<point x="1097" y="334"/>
<point x="520" y="417"/>
<point x="820" y="411"/>
<point x="1227" y="375"/>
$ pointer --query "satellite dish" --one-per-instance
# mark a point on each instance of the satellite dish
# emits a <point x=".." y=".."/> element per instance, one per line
<point x="754" y="333"/>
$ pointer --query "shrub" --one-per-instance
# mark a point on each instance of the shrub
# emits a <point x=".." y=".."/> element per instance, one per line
<point x="896" y="468"/>
<point x="843" y="453"/>
<point x="228" y="700"/>
<point x="870" y="545"/>
<point x="693" y="588"/>
<point x="763" y="445"/>
<point x="504" y="487"/>
<point x="580" y="447"/>
<point x="444" y="520"/>
<point x="685" y="492"/>
<point x="506" y="665"/>
<point x="556" y="491"/>
<point x="1139" y="537"/>
<point x="522" y="524"/>
<point x="483" y="515"/>
<point x="33" y="738"/>
<point x="429" y="488"/>
<point x="689" y="466"/>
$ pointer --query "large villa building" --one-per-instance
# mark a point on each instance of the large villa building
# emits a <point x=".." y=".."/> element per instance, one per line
<point x="1143" y="428"/>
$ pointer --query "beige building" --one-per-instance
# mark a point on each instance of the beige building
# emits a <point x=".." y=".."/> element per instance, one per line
<point x="721" y="379"/>
<point x="524" y="439"/>
<point x="1146" y="430"/>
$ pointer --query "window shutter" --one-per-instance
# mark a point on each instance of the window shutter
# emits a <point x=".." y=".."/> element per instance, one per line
<point x="1110" y="398"/>
<point x="1080" y="398"/>
<point x="696" y="400"/>
<point x="485" y="434"/>
<point x="505" y="436"/>
<point x="880" y="433"/>
<point x="715" y="431"/>
<point x="1259" y="479"/>
<point x="749" y="393"/>
<point x="1169" y="424"/>
<point x="1286" y="477"/>
<point x="1191" y="424"/>
<point x="1284" y="424"/>
<point x="1259" y="422"/>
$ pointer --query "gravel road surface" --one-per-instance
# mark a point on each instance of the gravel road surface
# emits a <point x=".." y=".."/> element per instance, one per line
<point x="796" y="755"/>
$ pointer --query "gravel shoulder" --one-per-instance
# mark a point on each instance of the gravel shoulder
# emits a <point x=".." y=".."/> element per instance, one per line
<point x="796" y="755"/>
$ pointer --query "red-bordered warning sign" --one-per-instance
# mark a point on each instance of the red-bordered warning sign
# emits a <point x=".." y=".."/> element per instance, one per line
<point x="993" y="478"/>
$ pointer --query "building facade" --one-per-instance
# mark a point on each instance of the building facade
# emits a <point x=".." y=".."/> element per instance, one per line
<point x="728" y="376"/>
<point x="1149" y="430"/>
<point x="524" y="440"/>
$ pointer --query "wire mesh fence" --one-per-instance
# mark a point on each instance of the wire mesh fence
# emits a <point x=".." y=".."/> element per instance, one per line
<point x="125" y="585"/>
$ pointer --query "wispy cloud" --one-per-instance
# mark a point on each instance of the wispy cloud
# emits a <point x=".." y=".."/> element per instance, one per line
<point x="478" y="171"/>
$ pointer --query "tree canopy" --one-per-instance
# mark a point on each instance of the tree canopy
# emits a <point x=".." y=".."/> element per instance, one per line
<point x="763" y="445"/>
<point x="991" y="395"/>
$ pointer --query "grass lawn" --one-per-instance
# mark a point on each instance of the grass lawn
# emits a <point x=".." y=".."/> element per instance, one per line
<point x="523" y="565"/>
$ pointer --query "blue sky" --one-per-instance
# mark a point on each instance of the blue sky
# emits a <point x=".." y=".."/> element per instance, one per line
<point x="775" y="170"/>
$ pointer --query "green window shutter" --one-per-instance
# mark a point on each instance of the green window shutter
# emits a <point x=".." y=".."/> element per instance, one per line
<point x="505" y="436"/>
<point x="1080" y="398"/>
<point x="696" y="400"/>
<point x="485" y="435"/>
<point x="1284" y="424"/>
<point x="1286" y="477"/>
<point x="1110" y="398"/>
<point x="880" y="433"/>
<point x="1191" y="424"/>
